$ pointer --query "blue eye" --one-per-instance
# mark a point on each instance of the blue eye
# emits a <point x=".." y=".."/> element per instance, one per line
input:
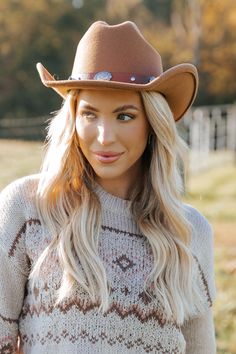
<point x="125" y="116"/>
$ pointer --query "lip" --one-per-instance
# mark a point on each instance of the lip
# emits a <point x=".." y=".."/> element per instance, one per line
<point x="107" y="156"/>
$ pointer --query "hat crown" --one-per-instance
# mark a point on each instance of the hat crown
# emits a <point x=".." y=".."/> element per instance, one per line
<point x="117" y="49"/>
<point x="119" y="57"/>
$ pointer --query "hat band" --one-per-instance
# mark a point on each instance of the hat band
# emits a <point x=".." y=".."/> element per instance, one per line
<point x="119" y="77"/>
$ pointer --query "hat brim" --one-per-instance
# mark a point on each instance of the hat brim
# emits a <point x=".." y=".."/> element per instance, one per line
<point x="178" y="85"/>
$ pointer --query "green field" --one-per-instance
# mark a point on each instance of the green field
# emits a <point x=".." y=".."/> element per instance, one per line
<point x="212" y="192"/>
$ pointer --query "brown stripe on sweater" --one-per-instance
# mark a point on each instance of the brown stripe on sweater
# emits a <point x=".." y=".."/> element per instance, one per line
<point x="204" y="281"/>
<point x="117" y="231"/>
<point x="20" y="234"/>
<point x="7" y="319"/>
<point x="128" y="342"/>
<point x="133" y="310"/>
<point x="142" y="316"/>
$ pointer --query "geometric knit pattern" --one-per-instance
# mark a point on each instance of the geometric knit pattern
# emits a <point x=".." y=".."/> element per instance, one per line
<point x="134" y="322"/>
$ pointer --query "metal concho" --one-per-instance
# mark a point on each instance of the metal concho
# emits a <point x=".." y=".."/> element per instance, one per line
<point x="103" y="75"/>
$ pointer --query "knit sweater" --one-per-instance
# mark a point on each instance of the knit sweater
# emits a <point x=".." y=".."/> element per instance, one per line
<point x="134" y="323"/>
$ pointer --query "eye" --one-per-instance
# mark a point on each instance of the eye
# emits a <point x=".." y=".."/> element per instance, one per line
<point x="125" y="116"/>
<point x="88" y="115"/>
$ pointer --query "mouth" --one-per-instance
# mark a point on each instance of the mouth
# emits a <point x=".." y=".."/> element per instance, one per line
<point x="107" y="156"/>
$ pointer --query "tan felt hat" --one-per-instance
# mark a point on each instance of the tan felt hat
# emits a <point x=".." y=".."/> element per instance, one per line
<point x="120" y="57"/>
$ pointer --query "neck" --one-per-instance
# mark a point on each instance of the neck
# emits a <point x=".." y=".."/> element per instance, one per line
<point x="121" y="188"/>
<point x="113" y="187"/>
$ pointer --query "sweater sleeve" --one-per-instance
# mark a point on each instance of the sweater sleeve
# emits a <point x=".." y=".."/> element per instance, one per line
<point x="13" y="265"/>
<point x="199" y="334"/>
<point x="202" y="246"/>
<point x="199" y="330"/>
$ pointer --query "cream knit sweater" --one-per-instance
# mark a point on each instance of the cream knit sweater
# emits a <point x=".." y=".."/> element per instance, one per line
<point x="133" y="324"/>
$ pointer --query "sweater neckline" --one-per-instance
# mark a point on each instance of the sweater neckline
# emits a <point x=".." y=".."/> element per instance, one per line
<point x="113" y="203"/>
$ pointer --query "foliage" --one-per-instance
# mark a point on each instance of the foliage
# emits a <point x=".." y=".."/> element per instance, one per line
<point x="31" y="31"/>
<point x="218" y="55"/>
<point x="198" y="31"/>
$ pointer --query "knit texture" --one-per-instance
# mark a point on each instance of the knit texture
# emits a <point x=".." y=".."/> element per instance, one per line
<point x="133" y="324"/>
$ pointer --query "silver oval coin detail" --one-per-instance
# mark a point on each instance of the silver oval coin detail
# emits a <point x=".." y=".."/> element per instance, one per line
<point x="103" y="75"/>
<point x="151" y="78"/>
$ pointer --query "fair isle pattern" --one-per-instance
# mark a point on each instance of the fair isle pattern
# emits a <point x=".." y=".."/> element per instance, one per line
<point x="7" y="346"/>
<point x="134" y="322"/>
<point x="20" y="234"/>
<point x="112" y="341"/>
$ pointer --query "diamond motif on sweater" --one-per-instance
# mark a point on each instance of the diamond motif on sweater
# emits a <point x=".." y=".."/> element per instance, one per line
<point x="124" y="262"/>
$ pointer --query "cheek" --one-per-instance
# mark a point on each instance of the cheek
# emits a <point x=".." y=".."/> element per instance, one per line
<point x="140" y="135"/>
<point x="84" y="133"/>
<point x="83" y="137"/>
<point x="80" y="129"/>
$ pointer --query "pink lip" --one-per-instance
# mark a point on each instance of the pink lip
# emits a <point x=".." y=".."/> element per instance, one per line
<point x="107" y="156"/>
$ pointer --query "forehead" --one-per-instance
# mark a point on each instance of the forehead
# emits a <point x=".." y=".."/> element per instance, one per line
<point x="111" y="96"/>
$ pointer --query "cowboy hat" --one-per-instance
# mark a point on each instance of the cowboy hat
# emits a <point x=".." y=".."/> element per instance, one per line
<point x="120" y="57"/>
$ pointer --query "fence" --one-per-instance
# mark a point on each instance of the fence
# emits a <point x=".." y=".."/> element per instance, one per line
<point x="210" y="132"/>
<point x="23" y="128"/>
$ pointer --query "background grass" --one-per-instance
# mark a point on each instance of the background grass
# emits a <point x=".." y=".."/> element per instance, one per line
<point x="18" y="159"/>
<point x="212" y="192"/>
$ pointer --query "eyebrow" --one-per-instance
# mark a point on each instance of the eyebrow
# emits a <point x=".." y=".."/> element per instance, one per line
<point x="91" y="108"/>
<point x="118" y="109"/>
<point x="125" y="107"/>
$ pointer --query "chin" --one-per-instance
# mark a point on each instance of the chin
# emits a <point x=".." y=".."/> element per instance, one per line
<point x="107" y="176"/>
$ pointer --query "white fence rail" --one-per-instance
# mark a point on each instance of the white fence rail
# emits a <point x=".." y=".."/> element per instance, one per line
<point x="210" y="132"/>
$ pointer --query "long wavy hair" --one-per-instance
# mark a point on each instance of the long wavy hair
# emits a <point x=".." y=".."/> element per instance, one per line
<point x="68" y="205"/>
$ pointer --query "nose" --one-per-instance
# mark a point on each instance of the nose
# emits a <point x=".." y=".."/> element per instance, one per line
<point x="106" y="133"/>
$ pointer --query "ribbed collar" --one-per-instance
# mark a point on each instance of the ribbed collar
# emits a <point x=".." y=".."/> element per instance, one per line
<point x="112" y="203"/>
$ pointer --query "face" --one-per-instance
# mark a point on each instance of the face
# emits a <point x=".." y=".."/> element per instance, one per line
<point x="113" y="130"/>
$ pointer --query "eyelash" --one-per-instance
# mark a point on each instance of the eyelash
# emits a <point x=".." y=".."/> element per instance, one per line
<point x="90" y="115"/>
<point x="131" y="116"/>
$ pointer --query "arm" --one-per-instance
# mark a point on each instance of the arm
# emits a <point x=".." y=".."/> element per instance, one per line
<point x="199" y="334"/>
<point x="12" y="284"/>
<point x="13" y="265"/>
<point x="199" y="330"/>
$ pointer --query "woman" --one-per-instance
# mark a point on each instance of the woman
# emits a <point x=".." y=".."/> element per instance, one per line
<point x="98" y="252"/>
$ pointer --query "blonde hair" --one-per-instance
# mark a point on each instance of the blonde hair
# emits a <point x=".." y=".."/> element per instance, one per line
<point x="69" y="207"/>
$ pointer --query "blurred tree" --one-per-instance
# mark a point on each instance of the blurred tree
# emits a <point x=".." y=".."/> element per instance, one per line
<point x="161" y="9"/>
<point x="186" y="25"/>
<point x="204" y="33"/>
<point x="218" y="52"/>
<point x="199" y="31"/>
<point x="32" y="31"/>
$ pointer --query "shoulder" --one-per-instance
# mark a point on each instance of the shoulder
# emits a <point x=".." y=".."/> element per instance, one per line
<point x="196" y="218"/>
<point x="17" y="204"/>
<point x="22" y="187"/>
<point x="17" y="207"/>
<point x="202" y="232"/>
<point x="17" y="201"/>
